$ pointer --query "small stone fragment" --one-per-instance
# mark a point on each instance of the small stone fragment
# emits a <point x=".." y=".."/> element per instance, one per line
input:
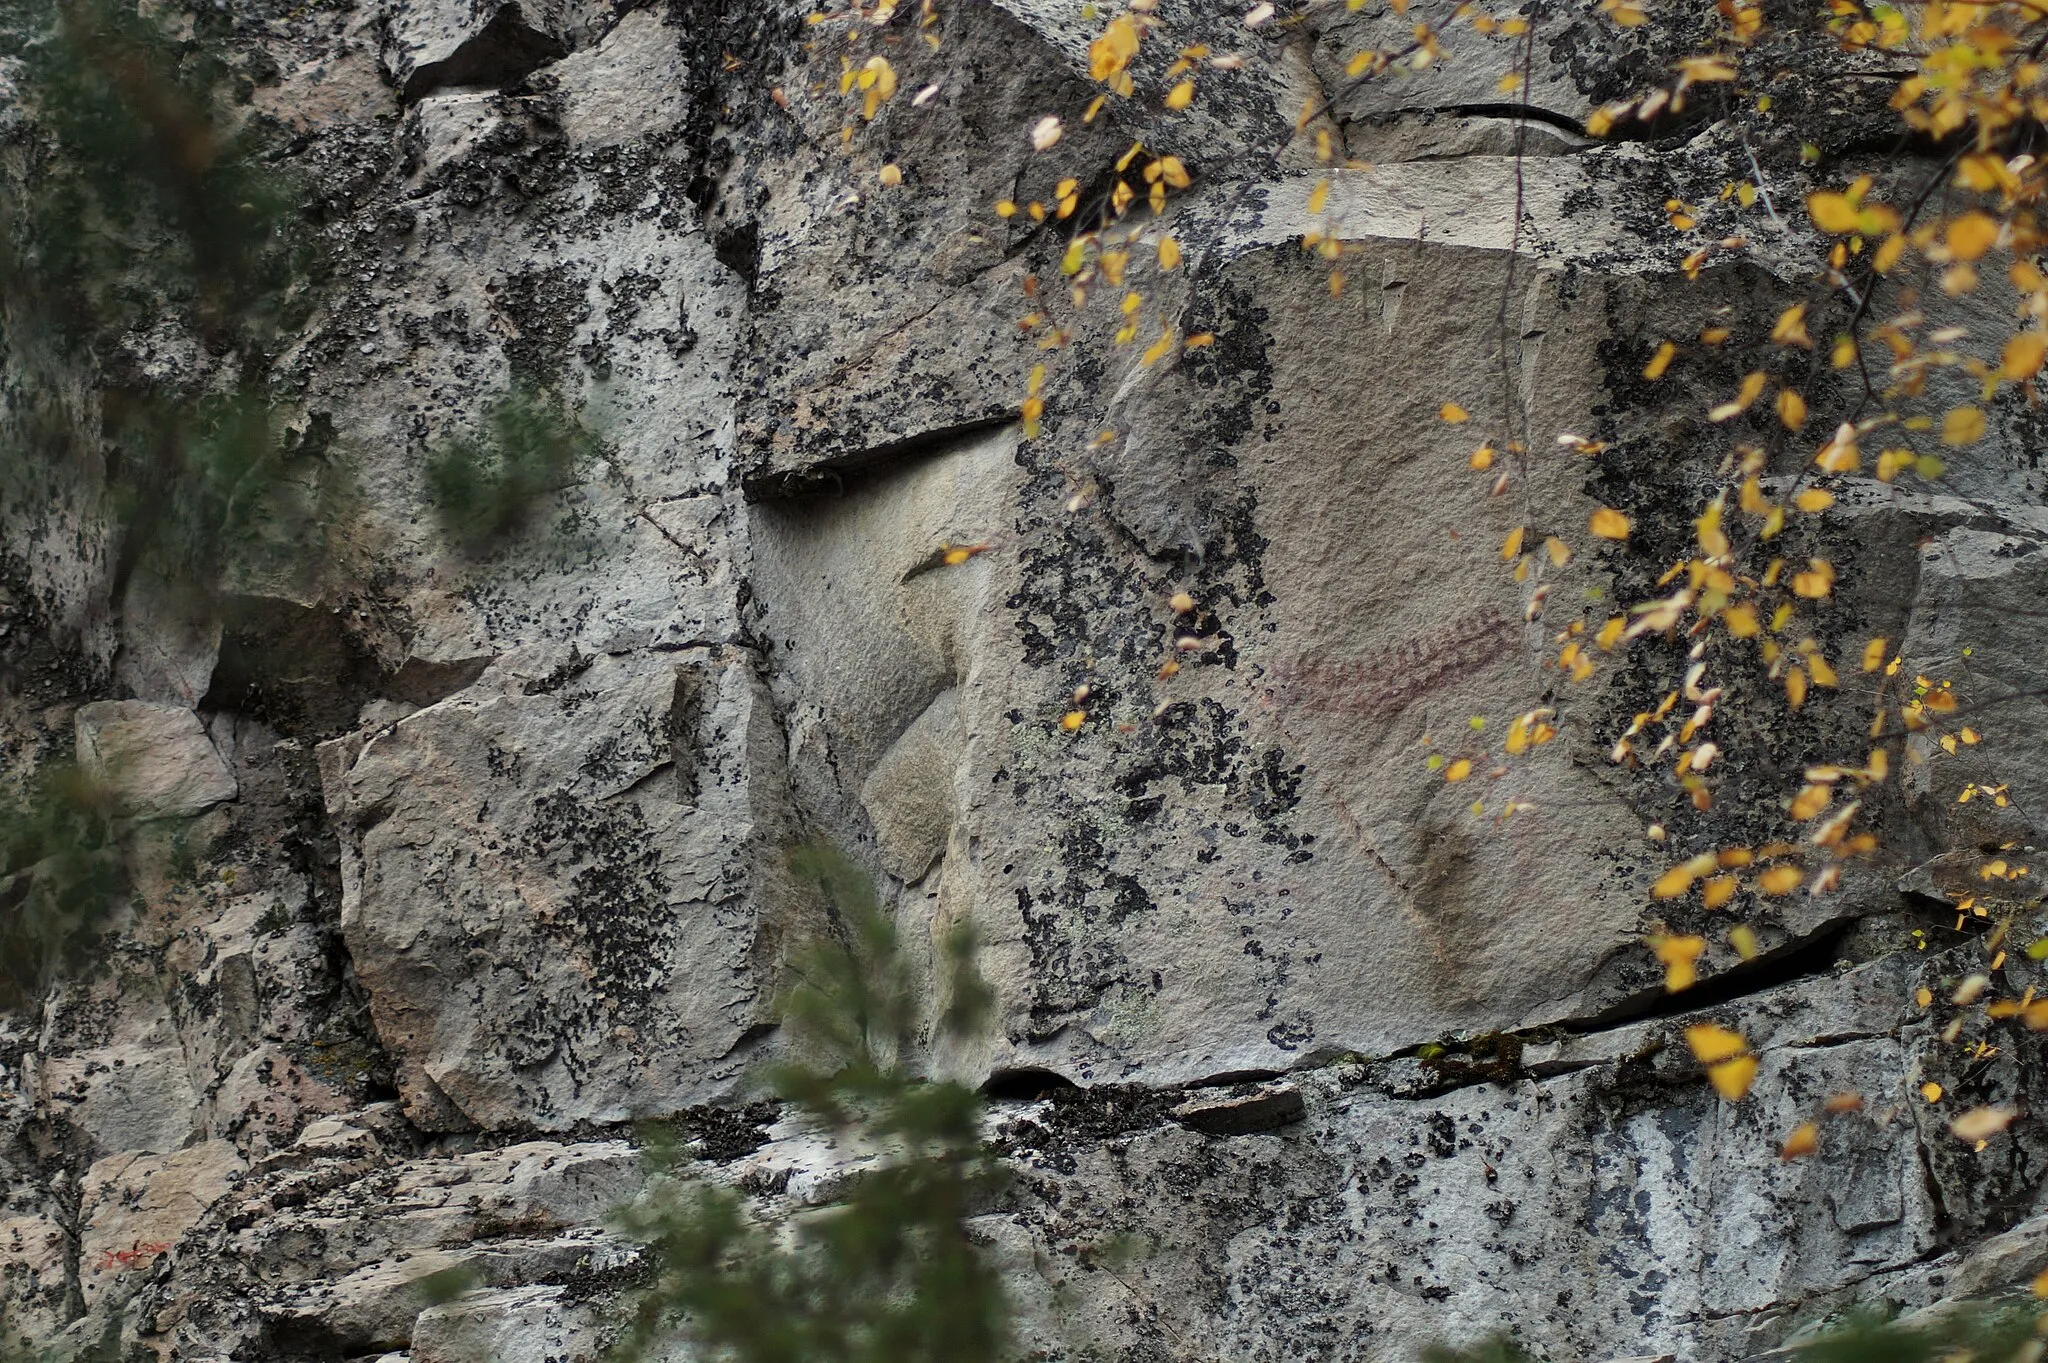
<point x="1244" y="1114"/>
<point x="156" y="758"/>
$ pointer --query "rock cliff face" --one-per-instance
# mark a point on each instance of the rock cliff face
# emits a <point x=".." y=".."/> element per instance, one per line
<point x="471" y="860"/>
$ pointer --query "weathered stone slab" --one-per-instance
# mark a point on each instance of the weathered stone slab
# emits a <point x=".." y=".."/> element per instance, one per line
<point x="543" y="875"/>
<point x="138" y="1206"/>
<point x="156" y="758"/>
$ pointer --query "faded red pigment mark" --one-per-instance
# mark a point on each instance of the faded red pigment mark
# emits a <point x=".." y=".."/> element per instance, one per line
<point x="1390" y="680"/>
<point x="135" y="1256"/>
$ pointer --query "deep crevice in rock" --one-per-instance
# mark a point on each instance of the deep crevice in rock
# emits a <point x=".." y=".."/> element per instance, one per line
<point x="841" y="474"/>
<point x="507" y="51"/>
<point x="1814" y="954"/>
<point x="1526" y="112"/>
<point x="1024" y="1084"/>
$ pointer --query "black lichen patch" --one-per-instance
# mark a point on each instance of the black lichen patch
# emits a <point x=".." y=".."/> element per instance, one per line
<point x="620" y="756"/>
<point x="1084" y="1116"/>
<point x="40" y="664"/>
<point x="547" y="306"/>
<point x="616" y="917"/>
<point x="1495" y="1058"/>
<point x="720" y="1135"/>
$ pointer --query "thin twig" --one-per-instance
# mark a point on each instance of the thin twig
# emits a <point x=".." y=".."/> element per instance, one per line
<point x="1762" y="190"/>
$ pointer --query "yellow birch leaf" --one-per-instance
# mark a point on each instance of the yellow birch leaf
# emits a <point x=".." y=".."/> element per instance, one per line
<point x="1660" y="361"/>
<point x="1752" y="389"/>
<point x="1512" y="545"/>
<point x="1672" y="883"/>
<point x="1113" y="51"/>
<point x="1780" y="880"/>
<point x="1814" y="499"/>
<point x="1169" y="253"/>
<point x="1452" y="413"/>
<point x="1181" y="95"/>
<point x="2023" y="355"/>
<point x="1790" y="328"/>
<point x="1713" y="540"/>
<point x="1840" y="454"/>
<point x="1970" y="235"/>
<point x="1711" y="1044"/>
<point x="1816" y="581"/>
<point x="1791" y="409"/>
<point x="1831" y="212"/>
<point x="1458" y="770"/>
<point x="1609" y="524"/>
<point x="1679" y="957"/>
<point x="1804" y="1140"/>
<point x="1962" y="425"/>
<point x="1732" y="1078"/>
<point x="1680" y="878"/>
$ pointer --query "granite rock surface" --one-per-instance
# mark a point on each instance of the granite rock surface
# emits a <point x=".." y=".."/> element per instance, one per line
<point x="461" y="861"/>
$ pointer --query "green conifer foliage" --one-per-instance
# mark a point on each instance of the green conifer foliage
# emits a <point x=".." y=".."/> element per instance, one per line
<point x="484" y="485"/>
<point x="137" y="200"/>
<point x="61" y="874"/>
<point x="893" y="1273"/>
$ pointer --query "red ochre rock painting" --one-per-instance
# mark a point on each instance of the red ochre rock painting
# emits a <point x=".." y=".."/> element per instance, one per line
<point x="1389" y="680"/>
